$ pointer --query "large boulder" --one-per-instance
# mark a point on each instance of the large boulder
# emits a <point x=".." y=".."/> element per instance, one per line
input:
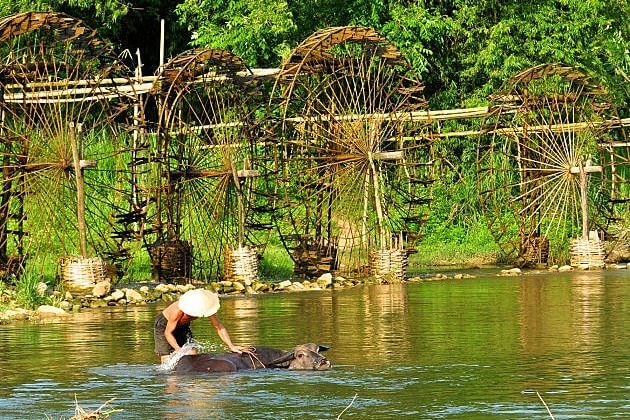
<point x="16" y="314"/>
<point x="162" y="288"/>
<point x="283" y="285"/>
<point x="47" y="311"/>
<point x="117" y="295"/>
<point x="325" y="280"/>
<point x="133" y="296"/>
<point x="101" y="288"/>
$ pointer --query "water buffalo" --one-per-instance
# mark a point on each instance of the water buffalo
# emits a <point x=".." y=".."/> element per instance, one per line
<point x="302" y="357"/>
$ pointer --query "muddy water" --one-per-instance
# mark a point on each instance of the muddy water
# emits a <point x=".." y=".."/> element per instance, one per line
<point x="459" y="349"/>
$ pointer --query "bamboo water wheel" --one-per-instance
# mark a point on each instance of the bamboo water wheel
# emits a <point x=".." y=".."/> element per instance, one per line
<point x="61" y="139"/>
<point x="355" y="176"/>
<point x="553" y="166"/>
<point x="211" y="176"/>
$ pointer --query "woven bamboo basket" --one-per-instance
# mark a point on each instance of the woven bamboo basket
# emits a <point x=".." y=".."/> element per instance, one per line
<point x="535" y="249"/>
<point x="588" y="251"/>
<point x="389" y="263"/>
<point x="79" y="275"/>
<point x="240" y="265"/>
<point x="171" y="261"/>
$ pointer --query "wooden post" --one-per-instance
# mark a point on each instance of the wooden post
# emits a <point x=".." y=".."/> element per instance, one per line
<point x="5" y="194"/>
<point x="377" y="203"/>
<point x="241" y="205"/>
<point x="584" y="202"/>
<point x="75" y="142"/>
<point x="162" y="30"/>
<point x="366" y="196"/>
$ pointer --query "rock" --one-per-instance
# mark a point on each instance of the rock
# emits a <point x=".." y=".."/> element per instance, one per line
<point x="565" y="268"/>
<point x="260" y="287"/>
<point x="250" y="290"/>
<point x="283" y="284"/>
<point x="144" y="289"/>
<point x="238" y="286"/>
<point x="122" y="302"/>
<point x="340" y="279"/>
<point x="65" y="305"/>
<point x="415" y="279"/>
<point x="68" y="296"/>
<point x="41" y="288"/>
<point x="324" y="280"/>
<point x="247" y="281"/>
<point x="162" y="288"/>
<point x="117" y="295"/>
<point x="511" y="272"/>
<point x="76" y="308"/>
<point x="620" y="266"/>
<point x="47" y="311"/>
<point x="298" y="286"/>
<point x="101" y="288"/>
<point x="325" y="277"/>
<point x="17" y="314"/>
<point x="181" y="288"/>
<point x="458" y="276"/>
<point x="133" y="296"/>
<point x="583" y="266"/>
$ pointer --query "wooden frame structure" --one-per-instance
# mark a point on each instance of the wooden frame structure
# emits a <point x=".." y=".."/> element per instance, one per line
<point x="346" y="179"/>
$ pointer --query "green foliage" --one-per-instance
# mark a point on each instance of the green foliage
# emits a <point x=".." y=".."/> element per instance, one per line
<point x="105" y="12"/>
<point x="255" y="30"/>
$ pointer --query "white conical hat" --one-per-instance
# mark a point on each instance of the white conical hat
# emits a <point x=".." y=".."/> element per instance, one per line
<point x="199" y="303"/>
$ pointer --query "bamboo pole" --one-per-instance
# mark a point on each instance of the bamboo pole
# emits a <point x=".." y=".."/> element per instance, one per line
<point x="377" y="203"/>
<point x="584" y="202"/>
<point x="75" y="142"/>
<point x="366" y="195"/>
<point x="162" y="30"/>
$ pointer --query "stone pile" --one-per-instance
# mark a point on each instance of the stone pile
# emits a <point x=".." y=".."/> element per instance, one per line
<point x="103" y="294"/>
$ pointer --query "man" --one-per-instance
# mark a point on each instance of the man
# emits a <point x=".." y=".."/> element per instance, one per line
<point x="172" y="326"/>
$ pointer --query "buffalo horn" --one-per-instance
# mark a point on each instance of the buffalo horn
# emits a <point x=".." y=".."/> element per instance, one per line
<point x="284" y="358"/>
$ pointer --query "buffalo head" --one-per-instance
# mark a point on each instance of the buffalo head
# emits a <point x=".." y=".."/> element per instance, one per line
<point x="304" y="357"/>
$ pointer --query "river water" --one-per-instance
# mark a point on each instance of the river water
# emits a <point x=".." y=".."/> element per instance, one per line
<point x="458" y="349"/>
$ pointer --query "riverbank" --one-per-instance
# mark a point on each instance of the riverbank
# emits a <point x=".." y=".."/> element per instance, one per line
<point x="61" y="304"/>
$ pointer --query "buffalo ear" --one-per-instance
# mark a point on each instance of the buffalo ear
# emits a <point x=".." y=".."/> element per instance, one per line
<point x="282" y="359"/>
<point x="321" y="348"/>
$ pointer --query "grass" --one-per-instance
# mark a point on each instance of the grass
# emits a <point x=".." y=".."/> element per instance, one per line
<point x="27" y="295"/>
<point x="456" y="246"/>
<point x="276" y="264"/>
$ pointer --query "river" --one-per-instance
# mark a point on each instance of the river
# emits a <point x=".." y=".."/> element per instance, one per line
<point x="459" y="349"/>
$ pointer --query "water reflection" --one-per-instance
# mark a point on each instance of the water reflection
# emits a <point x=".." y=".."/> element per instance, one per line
<point x="467" y="349"/>
<point x="561" y="330"/>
